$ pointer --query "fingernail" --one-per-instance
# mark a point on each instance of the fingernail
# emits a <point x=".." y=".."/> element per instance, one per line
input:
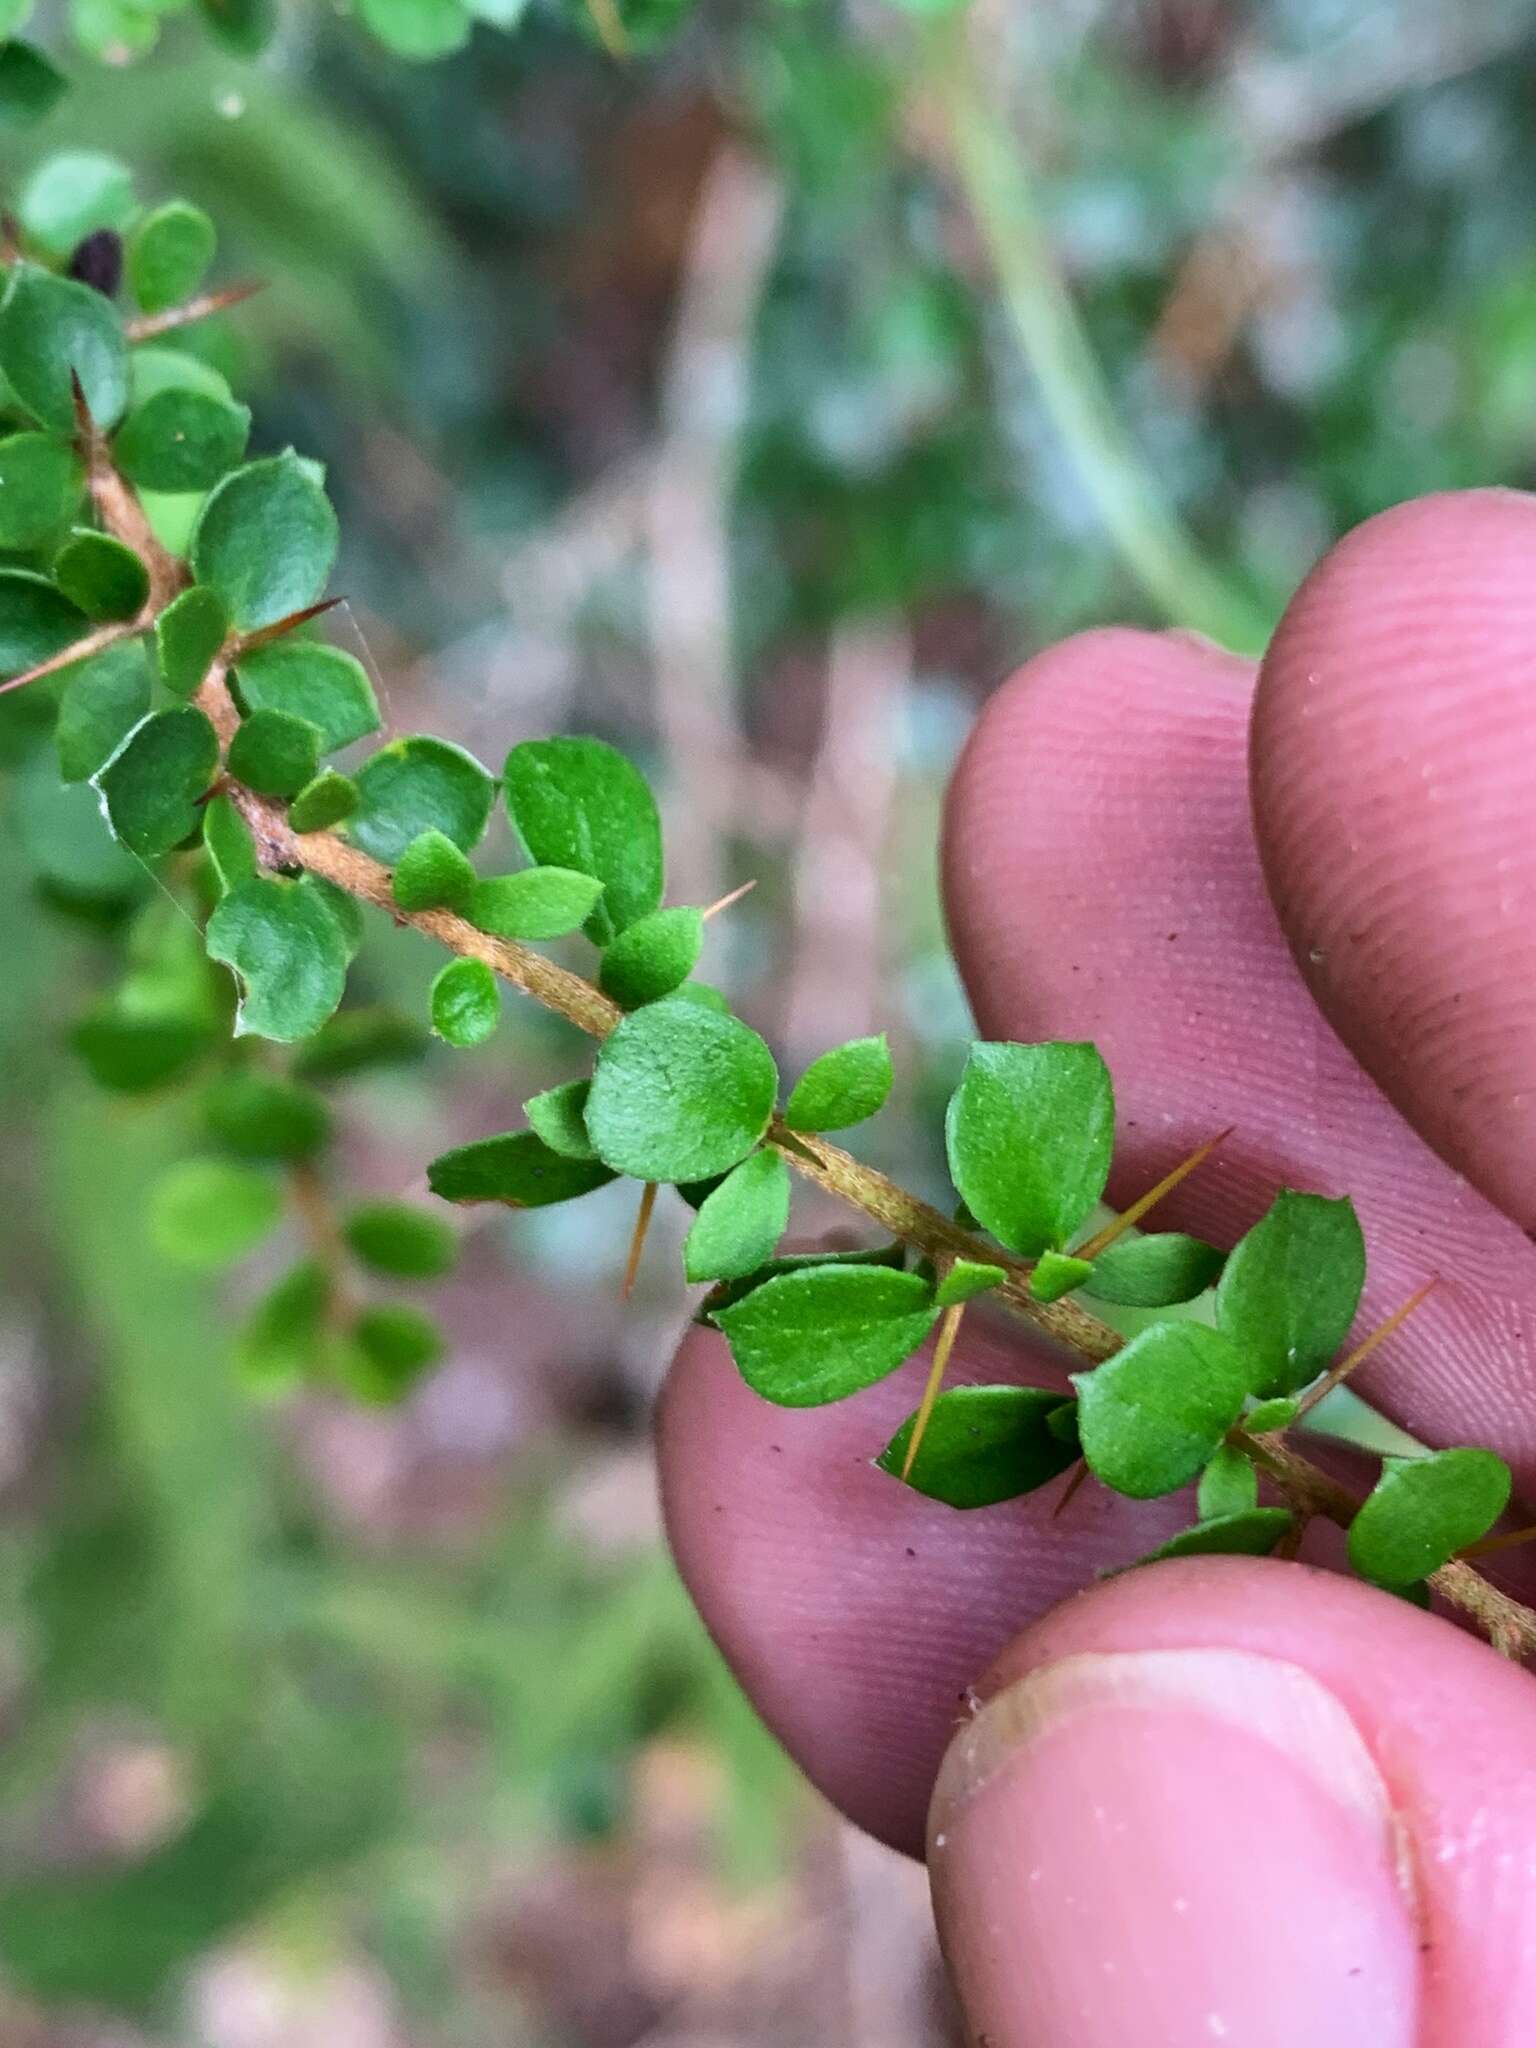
<point x="1167" y="1849"/>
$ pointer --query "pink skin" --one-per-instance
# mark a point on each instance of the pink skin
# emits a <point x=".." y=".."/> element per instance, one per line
<point x="1103" y="881"/>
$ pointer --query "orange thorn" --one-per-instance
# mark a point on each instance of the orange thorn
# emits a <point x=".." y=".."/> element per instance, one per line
<point x="725" y="902"/>
<point x="637" y="1242"/>
<point x="1070" y="1490"/>
<point x="1358" y="1356"/>
<point x="1487" y="1546"/>
<point x="1103" y="1239"/>
<point x="205" y="304"/>
<point x="78" y="650"/>
<point x="949" y="1329"/>
<point x="265" y="635"/>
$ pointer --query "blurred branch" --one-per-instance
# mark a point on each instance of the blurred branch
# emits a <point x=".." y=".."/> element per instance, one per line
<point x="705" y="393"/>
<point x="1151" y="539"/>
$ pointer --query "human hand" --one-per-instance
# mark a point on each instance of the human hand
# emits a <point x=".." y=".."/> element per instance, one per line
<point x="1215" y="1800"/>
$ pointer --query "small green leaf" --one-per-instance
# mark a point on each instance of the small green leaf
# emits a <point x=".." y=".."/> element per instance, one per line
<point x="982" y="1445"/>
<point x="738" y="1226"/>
<point x="843" y="1087"/>
<point x="1247" y="1532"/>
<point x="154" y="369"/>
<point x="229" y="844"/>
<point x="101" y="703"/>
<point x="1056" y="1274"/>
<point x="265" y="540"/>
<point x="577" y="803"/>
<point x="51" y="327"/>
<point x="323" y="802"/>
<point x="1289" y="1291"/>
<point x="404" y="1241"/>
<point x="168" y="255"/>
<point x="680" y="1093"/>
<point x="181" y="441"/>
<point x="324" y="684"/>
<point x="517" y="1168"/>
<point x="1228" y="1485"/>
<point x="729" y="1292"/>
<point x="244" y="26"/>
<point x="559" y="1117"/>
<point x="824" y="1332"/>
<point x="420" y="785"/>
<point x="393" y="1344"/>
<point x="1155" y="1413"/>
<point x="652" y="957"/>
<point x="1265" y="1416"/>
<point x="418" y="30"/>
<point x="288" y="950"/>
<point x="36" y="621"/>
<point x="964" y="1279"/>
<point x="465" y="1002"/>
<point x="30" y="86"/>
<point x="274" y="753"/>
<point x="1423" y="1510"/>
<point x="130" y="1054"/>
<point x="152" y="784"/>
<point x="1155" y="1271"/>
<point x="103" y="576"/>
<point x="357" y="1041"/>
<point x="41" y="482"/>
<point x="284" y="1338"/>
<point x="73" y="193"/>
<point x="1030" y="1132"/>
<point x="433" y="874"/>
<point x="260" y="1116"/>
<point x="536" y="903"/>
<point x="210" y="1212"/>
<point x="188" y="634"/>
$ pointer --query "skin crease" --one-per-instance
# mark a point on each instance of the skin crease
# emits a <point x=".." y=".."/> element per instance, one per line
<point x="1103" y="882"/>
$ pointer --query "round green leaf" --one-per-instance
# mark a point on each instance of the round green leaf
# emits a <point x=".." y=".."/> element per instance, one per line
<point x="1423" y="1510"/>
<point x="653" y="956"/>
<point x="152" y="784"/>
<point x="265" y="540"/>
<point x="37" y="621"/>
<point x="577" y="803"/>
<point x="466" y="1003"/>
<point x="323" y="802"/>
<point x="559" y="1116"/>
<point x="181" y="441"/>
<point x="154" y="369"/>
<point x="432" y="874"/>
<point x="1248" y="1532"/>
<point x="680" y="1093"/>
<point x="1153" y="1271"/>
<point x="824" y="1332"/>
<point x="261" y="1116"/>
<point x="274" y="753"/>
<point x="51" y="327"/>
<point x="983" y="1445"/>
<point x="537" y="903"/>
<point x="1289" y="1291"/>
<point x="102" y="575"/>
<point x="41" y="482"/>
<point x="323" y="684"/>
<point x="288" y="950"/>
<point x="420" y="785"/>
<point x="188" y="634"/>
<point x="210" y="1212"/>
<point x="102" y="702"/>
<point x="516" y="1168"/>
<point x="417" y="29"/>
<point x="1030" y="1131"/>
<point x="1228" y="1485"/>
<point x="401" y="1240"/>
<point x="1155" y="1413"/>
<point x="168" y="254"/>
<point x="30" y="85"/>
<point x="230" y="847"/>
<point x="841" y="1088"/>
<point x="73" y="193"/>
<point x="741" y="1222"/>
<point x="392" y="1345"/>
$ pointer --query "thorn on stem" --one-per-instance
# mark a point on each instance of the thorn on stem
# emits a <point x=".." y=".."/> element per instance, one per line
<point x="1069" y="1492"/>
<point x="637" y="1242"/>
<point x="201" y="308"/>
<point x="949" y="1329"/>
<point x="725" y="902"/>
<point x="1362" y="1351"/>
<point x="1104" y="1238"/>
<point x="265" y="635"/>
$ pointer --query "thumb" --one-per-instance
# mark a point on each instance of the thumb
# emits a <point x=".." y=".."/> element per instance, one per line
<point x="1223" y="1801"/>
